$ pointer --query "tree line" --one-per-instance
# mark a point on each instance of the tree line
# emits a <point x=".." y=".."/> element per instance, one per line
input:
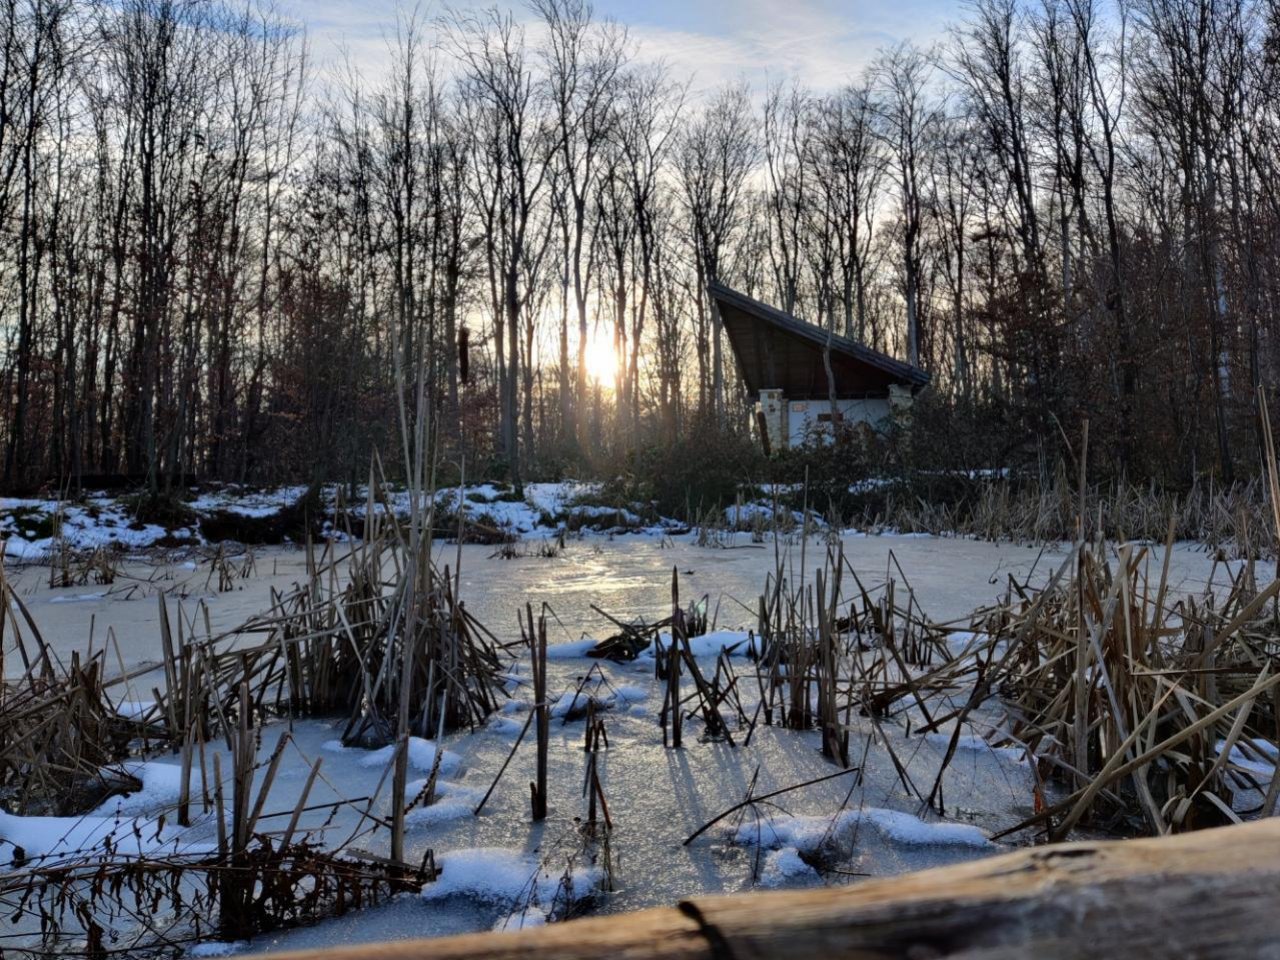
<point x="217" y="261"/>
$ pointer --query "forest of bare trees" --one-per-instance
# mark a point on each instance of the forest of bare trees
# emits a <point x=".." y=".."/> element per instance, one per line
<point x="219" y="262"/>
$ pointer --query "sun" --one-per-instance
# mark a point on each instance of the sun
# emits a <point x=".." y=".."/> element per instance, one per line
<point x="602" y="361"/>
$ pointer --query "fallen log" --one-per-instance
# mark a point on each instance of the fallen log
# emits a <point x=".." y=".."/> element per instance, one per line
<point x="1211" y="893"/>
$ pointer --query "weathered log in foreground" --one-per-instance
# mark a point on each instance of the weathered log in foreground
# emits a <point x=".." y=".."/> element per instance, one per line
<point x="1213" y="893"/>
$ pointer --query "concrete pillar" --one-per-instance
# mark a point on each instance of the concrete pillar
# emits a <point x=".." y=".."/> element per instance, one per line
<point x="900" y="400"/>
<point x="774" y="408"/>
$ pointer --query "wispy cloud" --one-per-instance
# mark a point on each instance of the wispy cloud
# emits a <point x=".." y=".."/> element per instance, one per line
<point x="819" y="43"/>
<point x="822" y="43"/>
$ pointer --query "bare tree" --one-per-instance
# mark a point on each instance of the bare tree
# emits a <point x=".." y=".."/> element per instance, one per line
<point x="717" y="153"/>
<point x="583" y="60"/>
<point x="518" y="128"/>
<point x="910" y="120"/>
<point x="649" y="113"/>
<point x="785" y="148"/>
<point x="848" y="171"/>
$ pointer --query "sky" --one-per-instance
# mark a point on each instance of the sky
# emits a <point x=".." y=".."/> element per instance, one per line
<point x="823" y="43"/>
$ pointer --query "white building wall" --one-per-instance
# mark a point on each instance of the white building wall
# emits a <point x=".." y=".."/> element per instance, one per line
<point x="808" y="418"/>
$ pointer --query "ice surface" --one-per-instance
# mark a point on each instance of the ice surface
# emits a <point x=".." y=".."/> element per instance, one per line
<point x="657" y="796"/>
<point x="629" y="577"/>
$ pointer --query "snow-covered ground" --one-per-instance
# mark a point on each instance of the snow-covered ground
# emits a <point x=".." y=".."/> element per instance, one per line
<point x="32" y="528"/>
<point x="501" y="870"/>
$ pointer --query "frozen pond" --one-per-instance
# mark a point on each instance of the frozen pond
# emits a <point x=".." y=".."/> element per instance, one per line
<point x="657" y="796"/>
<point x="627" y="576"/>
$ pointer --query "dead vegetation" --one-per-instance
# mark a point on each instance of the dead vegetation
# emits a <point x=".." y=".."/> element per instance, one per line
<point x="69" y="568"/>
<point x="375" y="636"/>
<point x="1149" y="715"/>
<point x="63" y="737"/>
<point x="1154" y="714"/>
<point x="149" y="889"/>
<point x="60" y="733"/>
<point x="1233" y="520"/>
<point x="634" y="638"/>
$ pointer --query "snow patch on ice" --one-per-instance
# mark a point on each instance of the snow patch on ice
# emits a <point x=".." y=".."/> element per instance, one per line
<point x="63" y="839"/>
<point x="501" y="875"/>
<point x="216" y="948"/>
<point x="135" y="709"/>
<point x="810" y="834"/>
<point x="577" y="701"/>
<point x="79" y="598"/>
<point x="504" y="726"/>
<point x="904" y="828"/>
<point x="528" y="917"/>
<point x="783" y="867"/>
<point x="974" y="743"/>
<point x="161" y="787"/>
<point x="571" y="650"/>
<point x="743" y="516"/>
<point x="573" y="704"/>
<point x="1256" y="756"/>
<point x="735" y="642"/>
<point x="422" y="755"/>
<point x="453" y="802"/>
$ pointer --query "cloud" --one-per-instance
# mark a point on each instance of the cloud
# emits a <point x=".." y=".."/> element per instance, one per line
<point x="822" y="43"/>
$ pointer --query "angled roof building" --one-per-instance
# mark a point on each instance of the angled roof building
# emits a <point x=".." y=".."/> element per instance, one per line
<point x="780" y="359"/>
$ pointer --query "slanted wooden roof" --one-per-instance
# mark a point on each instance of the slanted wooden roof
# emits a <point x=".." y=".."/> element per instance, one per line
<point x="775" y="350"/>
